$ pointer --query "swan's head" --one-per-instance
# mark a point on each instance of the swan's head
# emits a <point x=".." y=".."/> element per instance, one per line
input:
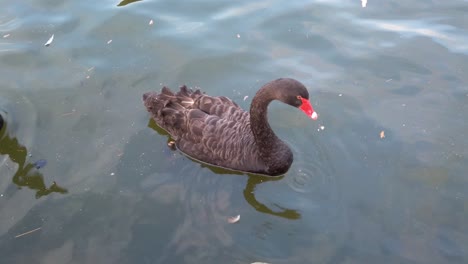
<point x="294" y="93"/>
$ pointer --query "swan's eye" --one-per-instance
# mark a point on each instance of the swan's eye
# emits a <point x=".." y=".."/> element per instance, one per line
<point x="299" y="97"/>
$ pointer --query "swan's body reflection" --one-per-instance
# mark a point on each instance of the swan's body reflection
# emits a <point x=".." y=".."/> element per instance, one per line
<point x="249" y="190"/>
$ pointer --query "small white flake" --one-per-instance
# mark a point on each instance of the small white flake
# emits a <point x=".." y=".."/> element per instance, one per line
<point x="112" y="174"/>
<point x="110" y="41"/>
<point x="389" y="80"/>
<point x="151" y="22"/>
<point x="322" y="127"/>
<point x="233" y="219"/>
<point x="6" y="35"/>
<point x="340" y="95"/>
<point x="245" y="97"/>
<point x="47" y="44"/>
<point x="238" y="36"/>
<point x="364" y="3"/>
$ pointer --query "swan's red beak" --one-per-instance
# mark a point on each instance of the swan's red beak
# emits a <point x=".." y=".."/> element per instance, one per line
<point x="307" y="108"/>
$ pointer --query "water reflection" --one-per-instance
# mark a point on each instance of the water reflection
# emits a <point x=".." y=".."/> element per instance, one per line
<point x="249" y="190"/>
<point x="126" y="2"/>
<point x="27" y="175"/>
<point x="249" y="195"/>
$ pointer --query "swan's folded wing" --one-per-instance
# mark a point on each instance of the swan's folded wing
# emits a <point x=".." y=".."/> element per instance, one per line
<point x="220" y="142"/>
<point x="220" y="106"/>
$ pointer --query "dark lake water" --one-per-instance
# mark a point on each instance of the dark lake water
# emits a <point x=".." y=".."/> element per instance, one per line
<point x="380" y="177"/>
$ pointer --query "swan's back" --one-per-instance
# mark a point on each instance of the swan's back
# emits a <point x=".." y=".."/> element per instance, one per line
<point x="214" y="130"/>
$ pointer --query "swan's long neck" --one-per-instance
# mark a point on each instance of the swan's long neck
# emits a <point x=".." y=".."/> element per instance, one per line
<point x="271" y="149"/>
<point x="263" y="134"/>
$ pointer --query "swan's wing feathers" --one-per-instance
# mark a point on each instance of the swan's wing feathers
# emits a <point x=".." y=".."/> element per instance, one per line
<point x="166" y="92"/>
<point x="220" y="142"/>
<point x="168" y="108"/>
<point x="220" y="106"/>
<point x="196" y="123"/>
<point x="214" y="130"/>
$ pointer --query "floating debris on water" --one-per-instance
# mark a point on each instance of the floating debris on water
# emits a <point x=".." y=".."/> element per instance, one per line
<point x="151" y="22"/>
<point x="340" y="95"/>
<point x="47" y="44"/>
<point x="109" y="41"/>
<point x="233" y="219"/>
<point x="388" y="80"/>
<point x="29" y="232"/>
<point x="382" y="134"/>
<point x="245" y="97"/>
<point x="171" y="144"/>
<point x="364" y="3"/>
<point x="6" y="35"/>
<point x="238" y="36"/>
<point x="69" y="113"/>
<point x="40" y="163"/>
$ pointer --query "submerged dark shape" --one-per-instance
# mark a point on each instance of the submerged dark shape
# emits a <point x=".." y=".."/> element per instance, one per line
<point x="215" y="130"/>
<point x="40" y="163"/>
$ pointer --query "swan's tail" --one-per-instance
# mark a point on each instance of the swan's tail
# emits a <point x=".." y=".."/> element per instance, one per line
<point x="168" y="109"/>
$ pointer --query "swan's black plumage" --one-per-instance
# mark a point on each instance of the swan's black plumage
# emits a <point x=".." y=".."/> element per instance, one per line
<point x="217" y="131"/>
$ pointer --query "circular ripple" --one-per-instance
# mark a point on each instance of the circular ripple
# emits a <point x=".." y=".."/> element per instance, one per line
<point x="312" y="170"/>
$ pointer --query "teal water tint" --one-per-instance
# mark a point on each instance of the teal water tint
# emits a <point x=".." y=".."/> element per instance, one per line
<point x="113" y="192"/>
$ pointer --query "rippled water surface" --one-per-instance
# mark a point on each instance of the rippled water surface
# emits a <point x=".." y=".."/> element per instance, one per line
<point x="380" y="177"/>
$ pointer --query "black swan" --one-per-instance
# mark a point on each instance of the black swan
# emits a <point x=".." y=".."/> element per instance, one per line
<point x="215" y="130"/>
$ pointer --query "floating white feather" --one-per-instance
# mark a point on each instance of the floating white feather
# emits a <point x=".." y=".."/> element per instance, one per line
<point x="47" y="44"/>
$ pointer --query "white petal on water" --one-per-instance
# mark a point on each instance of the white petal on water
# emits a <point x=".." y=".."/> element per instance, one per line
<point x="6" y="35"/>
<point x="110" y="41"/>
<point x="245" y="97"/>
<point x="151" y="22"/>
<point x="364" y="3"/>
<point x="382" y="134"/>
<point x="238" y="35"/>
<point x="47" y="44"/>
<point x="233" y="219"/>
